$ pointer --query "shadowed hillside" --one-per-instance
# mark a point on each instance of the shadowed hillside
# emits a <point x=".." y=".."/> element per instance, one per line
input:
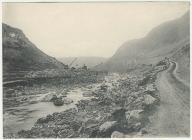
<point x="19" y="54"/>
<point x="161" y="42"/>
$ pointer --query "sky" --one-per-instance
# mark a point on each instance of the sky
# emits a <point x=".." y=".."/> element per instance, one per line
<point x="88" y="29"/>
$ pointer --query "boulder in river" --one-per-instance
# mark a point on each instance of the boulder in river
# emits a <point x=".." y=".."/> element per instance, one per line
<point x="58" y="102"/>
<point x="24" y="99"/>
<point x="67" y="101"/>
<point x="54" y="97"/>
<point x="49" y="97"/>
<point x="42" y="120"/>
<point x="89" y="86"/>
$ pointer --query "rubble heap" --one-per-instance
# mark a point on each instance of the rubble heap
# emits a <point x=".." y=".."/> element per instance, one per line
<point x="119" y="108"/>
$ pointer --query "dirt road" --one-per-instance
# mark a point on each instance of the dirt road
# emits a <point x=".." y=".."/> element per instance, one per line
<point x="172" y="118"/>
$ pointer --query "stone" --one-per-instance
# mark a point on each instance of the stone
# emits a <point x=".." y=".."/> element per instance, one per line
<point x="135" y="94"/>
<point x="137" y="126"/>
<point x="87" y="94"/>
<point x="150" y="87"/>
<point x="24" y="99"/>
<point x="148" y="100"/>
<point x="118" y="113"/>
<point x="133" y="115"/>
<point x="89" y="86"/>
<point x="10" y="93"/>
<point x="67" y="101"/>
<point x="107" y="126"/>
<point x="58" y="102"/>
<point x="54" y="97"/>
<point x="66" y="133"/>
<point x="49" y="97"/>
<point x="103" y="87"/>
<point x="144" y="131"/>
<point x="117" y="134"/>
<point x="42" y="120"/>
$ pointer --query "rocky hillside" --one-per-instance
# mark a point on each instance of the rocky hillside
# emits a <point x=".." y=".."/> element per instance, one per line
<point x="182" y="57"/>
<point x="161" y="42"/>
<point x="88" y="61"/>
<point x="19" y="54"/>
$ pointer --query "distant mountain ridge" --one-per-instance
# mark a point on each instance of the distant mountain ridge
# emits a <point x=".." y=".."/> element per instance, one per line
<point x="20" y="54"/>
<point x="80" y="61"/>
<point x="161" y="42"/>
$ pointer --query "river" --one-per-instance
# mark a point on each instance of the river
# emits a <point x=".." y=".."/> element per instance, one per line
<point x="24" y="116"/>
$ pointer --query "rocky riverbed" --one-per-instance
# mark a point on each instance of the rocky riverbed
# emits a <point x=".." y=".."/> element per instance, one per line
<point x="117" y="107"/>
<point x="24" y="104"/>
<point x="28" y="109"/>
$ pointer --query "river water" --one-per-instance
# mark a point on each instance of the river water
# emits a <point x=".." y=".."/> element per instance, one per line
<point x="24" y="116"/>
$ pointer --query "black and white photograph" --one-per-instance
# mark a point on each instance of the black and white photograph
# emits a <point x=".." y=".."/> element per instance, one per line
<point x="96" y="69"/>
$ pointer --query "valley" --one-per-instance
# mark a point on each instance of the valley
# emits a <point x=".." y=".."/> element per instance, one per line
<point x="143" y="90"/>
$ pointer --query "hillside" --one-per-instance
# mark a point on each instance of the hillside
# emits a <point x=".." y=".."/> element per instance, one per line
<point x="19" y="54"/>
<point x="160" y="42"/>
<point x="89" y="61"/>
<point x="182" y="57"/>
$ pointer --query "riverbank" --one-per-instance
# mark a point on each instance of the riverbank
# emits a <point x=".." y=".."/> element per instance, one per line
<point x="119" y="107"/>
<point x="24" y="104"/>
<point x="27" y="112"/>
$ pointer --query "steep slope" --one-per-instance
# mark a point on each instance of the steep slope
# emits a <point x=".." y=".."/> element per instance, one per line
<point x="88" y="61"/>
<point x="182" y="58"/>
<point x="162" y="41"/>
<point x="19" y="54"/>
